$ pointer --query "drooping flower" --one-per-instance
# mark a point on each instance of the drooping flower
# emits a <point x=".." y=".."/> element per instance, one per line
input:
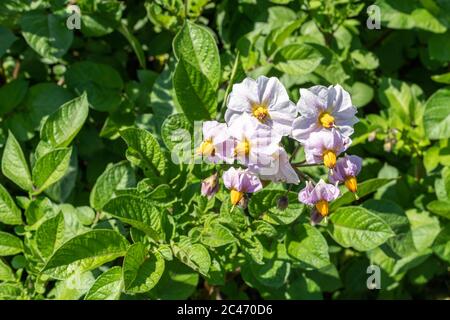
<point x="266" y="100"/>
<point x="254" y="142"/>
<point x="239" y="182"/>
<point x="216" y="145"/>
<point x="325" y="146"/>
<point x="319" y="196"/>
<point x="279" y="169"/>
<point x="210" y="186"/>
<point x="323" y="108"/>
<point x="345" y="171"/>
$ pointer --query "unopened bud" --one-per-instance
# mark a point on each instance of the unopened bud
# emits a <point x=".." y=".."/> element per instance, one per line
<point x="282" y="202"/>
<point x="210" y="186"/>
<point x="372" y="136"/>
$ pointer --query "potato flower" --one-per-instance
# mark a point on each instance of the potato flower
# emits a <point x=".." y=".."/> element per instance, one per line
<point x="345" y="171"/>
<point x="254" y="142"/>
<point x="216" y="145"/>
<point x="266" y="100"/>
<point x="323" y="108"/>
<point x="325" y="146"/>
<point x="279" y="169"/>
<point x="319" y="196"/>
<point x="239" y="182"/>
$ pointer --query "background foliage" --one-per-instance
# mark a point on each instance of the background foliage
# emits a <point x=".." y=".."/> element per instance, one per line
<point x="91" y="205"/>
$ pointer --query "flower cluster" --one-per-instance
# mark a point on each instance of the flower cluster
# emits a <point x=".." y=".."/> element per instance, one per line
<point x="259" y="114"/>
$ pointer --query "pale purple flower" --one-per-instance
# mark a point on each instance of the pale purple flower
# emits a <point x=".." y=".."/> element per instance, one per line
<point x="347" y="166"/>
<point x="254" y="142"/>
<point x="345" y="171"/>
<point x="210" y="186"/>
<point x="266" y="100"/>
<point x="279" y="169"/>
<point x="319" y="195"/>
<point x="323" y="108"/>
<point x="217" y="144"/>
<point x="325" y="146"/>
<point x="240" y="181"/>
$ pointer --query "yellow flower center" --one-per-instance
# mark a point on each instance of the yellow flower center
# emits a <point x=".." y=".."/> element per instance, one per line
<point x="329" y="159"/>
<point x="206" y="148"/>
<point x="352" y="184"/>
<point x="322" y="207"/>
<point x="326" y="120"/>
<point x="242" y="148"/>
<point x="236" y="196"/>
<point x="261" y="112"/>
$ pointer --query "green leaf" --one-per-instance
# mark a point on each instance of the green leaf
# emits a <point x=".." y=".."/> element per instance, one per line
<point x="440" y="207"/>
<point x="46" y="33"/>
<point x="442" y="78"/>
<point x="9" y="212"/>
<point x="425" y="228"/>
<point x="85" y="252"/>
<point x="436" y="118"/>
<point x="306" y="244"/>
<point x="266" y="199"/>
<point x="62" y="126"/>
<point x="178" y="282"/>
<point x="216" y="235"/>
<point x="50" y="168"/>
<point x="9" y="244"/>
<point x="144" y="151"/>
<point x="138" y="212"/>
<point x="115" y="177"/>
<point x="195" y="45"/>
<point x="364" y="60"/>
<point x="173" y="130"/>
<point x="358" y="228"/>
<point x="441" y="245"/>
<point x="141" y="269"/>
<point x="7" y="38"/>
<point x="12" y="94"/>
<point x="439" y="47"/>
<point x="14" y="165"/>
<point x="195" y="94"/>
<point x="6" y="273"/>
<point x="273" y="273"/>
<point x="195" y="255"/>
<point x="365" y="188"/>
<point x="405" y="14"/>
<point x="101" y="82"/>
<point x="50" y="235"/>
<point x="73" y="287"/>
<point x="43" y="99"/>
<point x="107" y="286"/>
<point x="297" y="59"/>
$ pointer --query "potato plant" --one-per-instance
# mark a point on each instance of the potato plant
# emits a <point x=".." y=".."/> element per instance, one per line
<point x="233" y="149"/>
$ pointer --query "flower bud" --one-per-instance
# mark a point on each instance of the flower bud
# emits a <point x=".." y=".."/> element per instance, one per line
<point x="372" y="136"/>
<point x="210" y="186"/>
<point x="282" y="202"/>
